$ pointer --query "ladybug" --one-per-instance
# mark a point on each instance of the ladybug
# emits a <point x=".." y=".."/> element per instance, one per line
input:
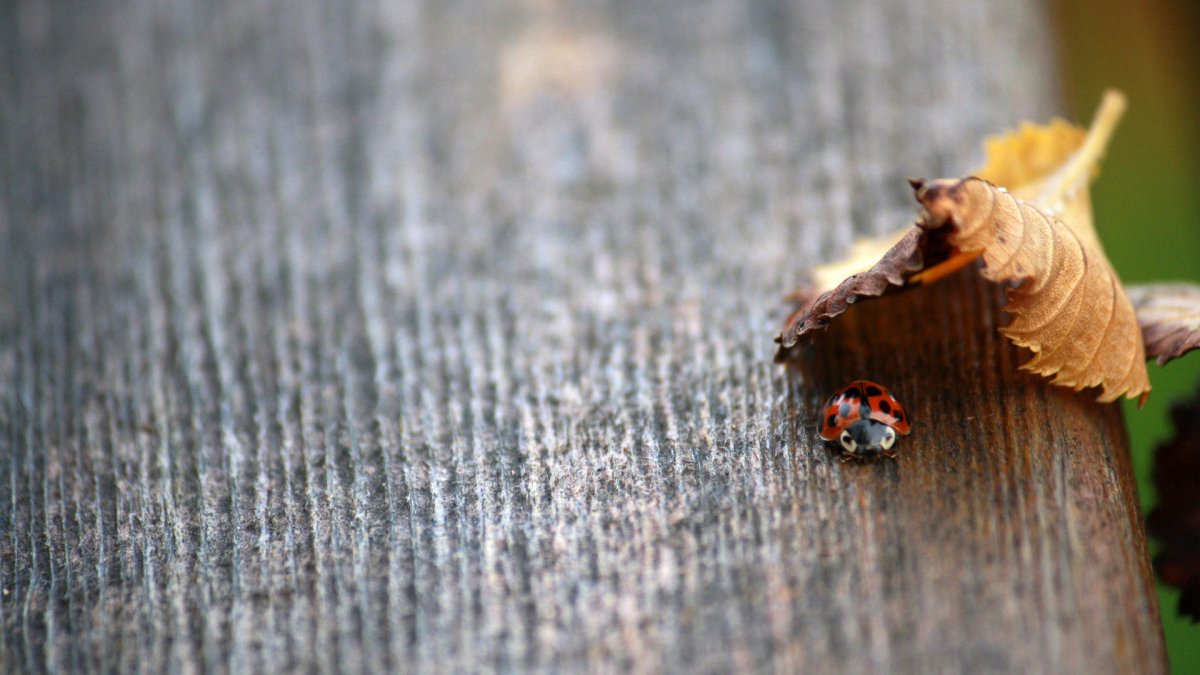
<point x="864" y="418"/>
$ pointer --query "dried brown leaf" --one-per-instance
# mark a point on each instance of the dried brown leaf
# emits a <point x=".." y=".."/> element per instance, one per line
<point x="1170" y="318"/>
<point x="863" y="255"/>
<point x="1069" y="306"/>
<point x="888" y="273"/>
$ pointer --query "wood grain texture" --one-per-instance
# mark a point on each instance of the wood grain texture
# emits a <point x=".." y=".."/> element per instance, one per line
<point x="436" y="336"/>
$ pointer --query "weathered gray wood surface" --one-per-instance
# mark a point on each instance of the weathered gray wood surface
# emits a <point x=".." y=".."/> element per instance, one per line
<point x="437" y="336"/>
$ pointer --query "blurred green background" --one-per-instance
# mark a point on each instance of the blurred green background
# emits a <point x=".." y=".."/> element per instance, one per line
<point x="1147" y="200"/>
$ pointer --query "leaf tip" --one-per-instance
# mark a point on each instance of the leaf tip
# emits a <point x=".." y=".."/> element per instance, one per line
<point x="1112" y="104"/>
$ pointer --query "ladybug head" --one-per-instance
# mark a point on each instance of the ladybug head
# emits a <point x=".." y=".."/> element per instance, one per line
<point x="867" y="438"/>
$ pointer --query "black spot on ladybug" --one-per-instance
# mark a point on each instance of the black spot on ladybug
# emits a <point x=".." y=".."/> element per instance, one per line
<point x="873" y="391"/>
<point x="852" y="392"/>
<point x="844" y="410"/>
<point x="883" y="405"/>
<point x="831" y="421"/>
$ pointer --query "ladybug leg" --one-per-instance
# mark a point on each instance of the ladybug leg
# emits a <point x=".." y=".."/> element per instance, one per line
<point x="890" y="453"/>
<point x="846" y="457"/>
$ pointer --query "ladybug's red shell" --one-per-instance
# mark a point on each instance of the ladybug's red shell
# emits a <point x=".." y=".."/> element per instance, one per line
<point x="862" y="399"/>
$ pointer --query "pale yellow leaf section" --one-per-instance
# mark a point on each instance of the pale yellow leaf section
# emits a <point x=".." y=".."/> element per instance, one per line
<point x="1022" y="160"/>
<point x="1051" y="165"/>
<point x="551" y="59"/>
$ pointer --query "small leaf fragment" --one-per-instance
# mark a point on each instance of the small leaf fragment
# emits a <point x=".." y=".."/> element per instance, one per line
<point x="1170" y="317"/>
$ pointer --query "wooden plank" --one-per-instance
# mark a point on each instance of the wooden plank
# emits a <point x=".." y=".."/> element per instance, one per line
<point x="436" y="336"/>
